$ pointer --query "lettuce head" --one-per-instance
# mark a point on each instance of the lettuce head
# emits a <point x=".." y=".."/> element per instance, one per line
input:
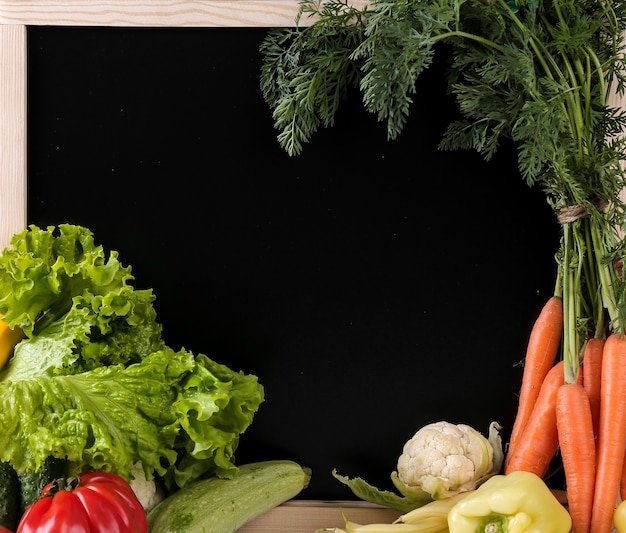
<point x="93" y="381"/>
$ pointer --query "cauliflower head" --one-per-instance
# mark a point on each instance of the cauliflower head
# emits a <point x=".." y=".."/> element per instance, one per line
<point x="443" y="459"/>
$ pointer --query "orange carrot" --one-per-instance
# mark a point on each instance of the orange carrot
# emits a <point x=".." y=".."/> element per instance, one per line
<point x="622" y="484"/>
<point x="578" y="452"/>
<point x="611" y="445"/>
<point x="592" y="367"/>
<point x="543" y="345"/>
<point x="539" y="442"/>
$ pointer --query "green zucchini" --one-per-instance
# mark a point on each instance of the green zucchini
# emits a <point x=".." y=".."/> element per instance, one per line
<point x="9" y="497"/>
<point x="216" y="505"/>
<point x="32" y="483"/>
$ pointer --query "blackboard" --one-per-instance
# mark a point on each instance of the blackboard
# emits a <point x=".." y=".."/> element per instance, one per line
<point x="373" y="286"/>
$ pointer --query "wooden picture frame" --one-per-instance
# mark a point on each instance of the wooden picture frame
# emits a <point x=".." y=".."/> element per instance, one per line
<point x="15" y="17"/>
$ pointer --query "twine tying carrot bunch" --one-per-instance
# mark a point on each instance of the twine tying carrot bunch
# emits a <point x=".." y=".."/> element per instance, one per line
<point x="573" y="213"/>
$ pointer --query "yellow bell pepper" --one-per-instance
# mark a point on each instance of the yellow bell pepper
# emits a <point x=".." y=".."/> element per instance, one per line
<point x="519" y="502"/>
<point x="8" y="339"/>
<point x="619" y="517"/>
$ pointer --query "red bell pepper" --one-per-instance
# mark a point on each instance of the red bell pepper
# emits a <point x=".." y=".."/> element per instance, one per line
<point x="93" y="502"/>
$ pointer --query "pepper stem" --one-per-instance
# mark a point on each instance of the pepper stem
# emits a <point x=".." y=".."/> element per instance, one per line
<point x="61" y="484"/>
<point x="493" y="523"/>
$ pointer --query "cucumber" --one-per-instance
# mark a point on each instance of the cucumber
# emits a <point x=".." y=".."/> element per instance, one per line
<point x="32" y="483"/>
<point x="9" y="497"/>
<point x="216" y="505"/>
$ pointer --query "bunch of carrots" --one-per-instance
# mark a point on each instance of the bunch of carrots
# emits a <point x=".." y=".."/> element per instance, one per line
<point x="579" y="411"/>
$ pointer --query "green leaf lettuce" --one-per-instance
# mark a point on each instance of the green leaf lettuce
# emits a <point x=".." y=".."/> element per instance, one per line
<point x="180" y="414"/>
<point x="94" y="382"/>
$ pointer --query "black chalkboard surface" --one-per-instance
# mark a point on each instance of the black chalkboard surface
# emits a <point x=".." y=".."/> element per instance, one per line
<point x="373" y="286"/>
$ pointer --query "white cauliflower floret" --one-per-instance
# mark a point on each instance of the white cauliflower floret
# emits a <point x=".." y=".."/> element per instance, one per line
<point x="149" y="493"/>
<point x="442" y="459"/>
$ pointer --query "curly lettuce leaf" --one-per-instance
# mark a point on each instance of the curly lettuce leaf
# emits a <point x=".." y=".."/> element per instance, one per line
<point x="117" y="328"/>
<point x="180" y="415"/>
<point x="76" y="306"/>
<point x="44" y="269"/>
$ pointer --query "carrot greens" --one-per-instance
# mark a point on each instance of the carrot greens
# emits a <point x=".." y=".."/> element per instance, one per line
<point x="535" y="73"/>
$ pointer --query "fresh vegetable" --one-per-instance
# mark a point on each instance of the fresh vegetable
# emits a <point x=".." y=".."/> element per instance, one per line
<point x="9" y="497"/>
<point x="592" y="373"/>
<point x="541" y="355"/>
<point x="539" y="441"/>
<point x="93" y="380"/>
<point x="578" y="452"/>
<point x="95" y="502"/>
<point x="622" y="488"/>
<point x="32" y="483"/>
<point x="433" y="517"/>
<point x="217" y="505"/>
<point x="619" y="517"/>
<point x="354" y="527"/>
<point x="440" y="460"/>
<point x="367" y="492"/>
<point x="169" y="399"/>
<point x="430" y="518"/>
<point x="519" y="502"/>
<point x="611" y="445"/>
<point x="75" y="304"/>
<point x="9" y="337"/>
<point x="148" y="492"/>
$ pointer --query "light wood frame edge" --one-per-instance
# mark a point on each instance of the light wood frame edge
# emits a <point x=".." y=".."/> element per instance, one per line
<point x="12" y="131"/>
